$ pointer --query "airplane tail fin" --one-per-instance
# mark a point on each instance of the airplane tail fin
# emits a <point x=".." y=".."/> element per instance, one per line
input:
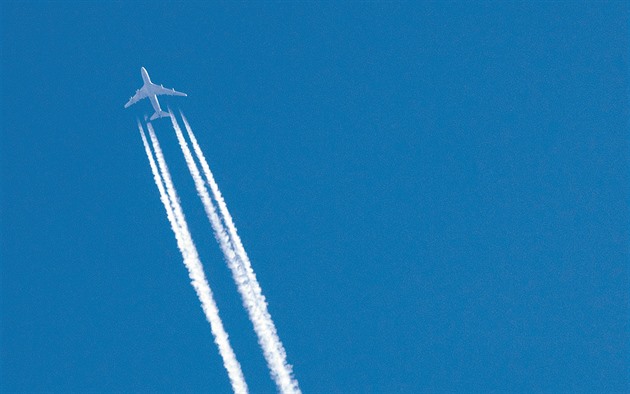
<point x="159" y="114"/>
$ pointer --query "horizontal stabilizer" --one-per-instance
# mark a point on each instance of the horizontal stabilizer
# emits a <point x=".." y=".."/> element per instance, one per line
<point x="160" y="114"/>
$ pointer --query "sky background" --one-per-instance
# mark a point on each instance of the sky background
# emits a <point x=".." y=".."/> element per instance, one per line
<point x="435" y="196"/>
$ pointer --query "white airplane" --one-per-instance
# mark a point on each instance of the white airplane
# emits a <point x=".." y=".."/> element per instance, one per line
<point x="151" y="90"/>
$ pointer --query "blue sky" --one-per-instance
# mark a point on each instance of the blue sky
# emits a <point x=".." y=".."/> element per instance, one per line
<point x="434" y="196"/>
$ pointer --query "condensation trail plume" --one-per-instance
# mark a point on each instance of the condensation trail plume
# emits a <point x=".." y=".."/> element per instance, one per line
<point x="261" y="326"/>
<point x="242" y="271"/>
<point x="191" y="259"/>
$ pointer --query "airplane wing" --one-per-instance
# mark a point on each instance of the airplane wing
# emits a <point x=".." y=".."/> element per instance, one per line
<point x="158" y="90"/>
<point x="140" y="94"/>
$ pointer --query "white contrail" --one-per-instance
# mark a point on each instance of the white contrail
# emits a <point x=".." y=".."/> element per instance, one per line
<point x="191" y="260"/>
<point x="243" y="273"/>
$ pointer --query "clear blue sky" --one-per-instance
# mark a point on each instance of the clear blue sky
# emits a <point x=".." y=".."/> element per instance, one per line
<point x="435" y="196"/>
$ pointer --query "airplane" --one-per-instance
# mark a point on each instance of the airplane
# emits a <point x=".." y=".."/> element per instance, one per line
<point x="151" y="90"/>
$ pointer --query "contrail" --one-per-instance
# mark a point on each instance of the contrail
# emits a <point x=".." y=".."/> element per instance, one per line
<point x="243" y="274"/>
<point x="191" y="259"/>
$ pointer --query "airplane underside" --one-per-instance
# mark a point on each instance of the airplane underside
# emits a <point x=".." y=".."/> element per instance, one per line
<point x="151" y="91"/>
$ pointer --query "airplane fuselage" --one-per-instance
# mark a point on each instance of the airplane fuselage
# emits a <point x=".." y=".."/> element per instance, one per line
<point x="155" y="103"/>
<point x="145" y="76"/>
<point x="147" y="85"/>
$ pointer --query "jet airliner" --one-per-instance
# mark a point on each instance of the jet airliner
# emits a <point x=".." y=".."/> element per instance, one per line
<point x="151" y="90"/>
